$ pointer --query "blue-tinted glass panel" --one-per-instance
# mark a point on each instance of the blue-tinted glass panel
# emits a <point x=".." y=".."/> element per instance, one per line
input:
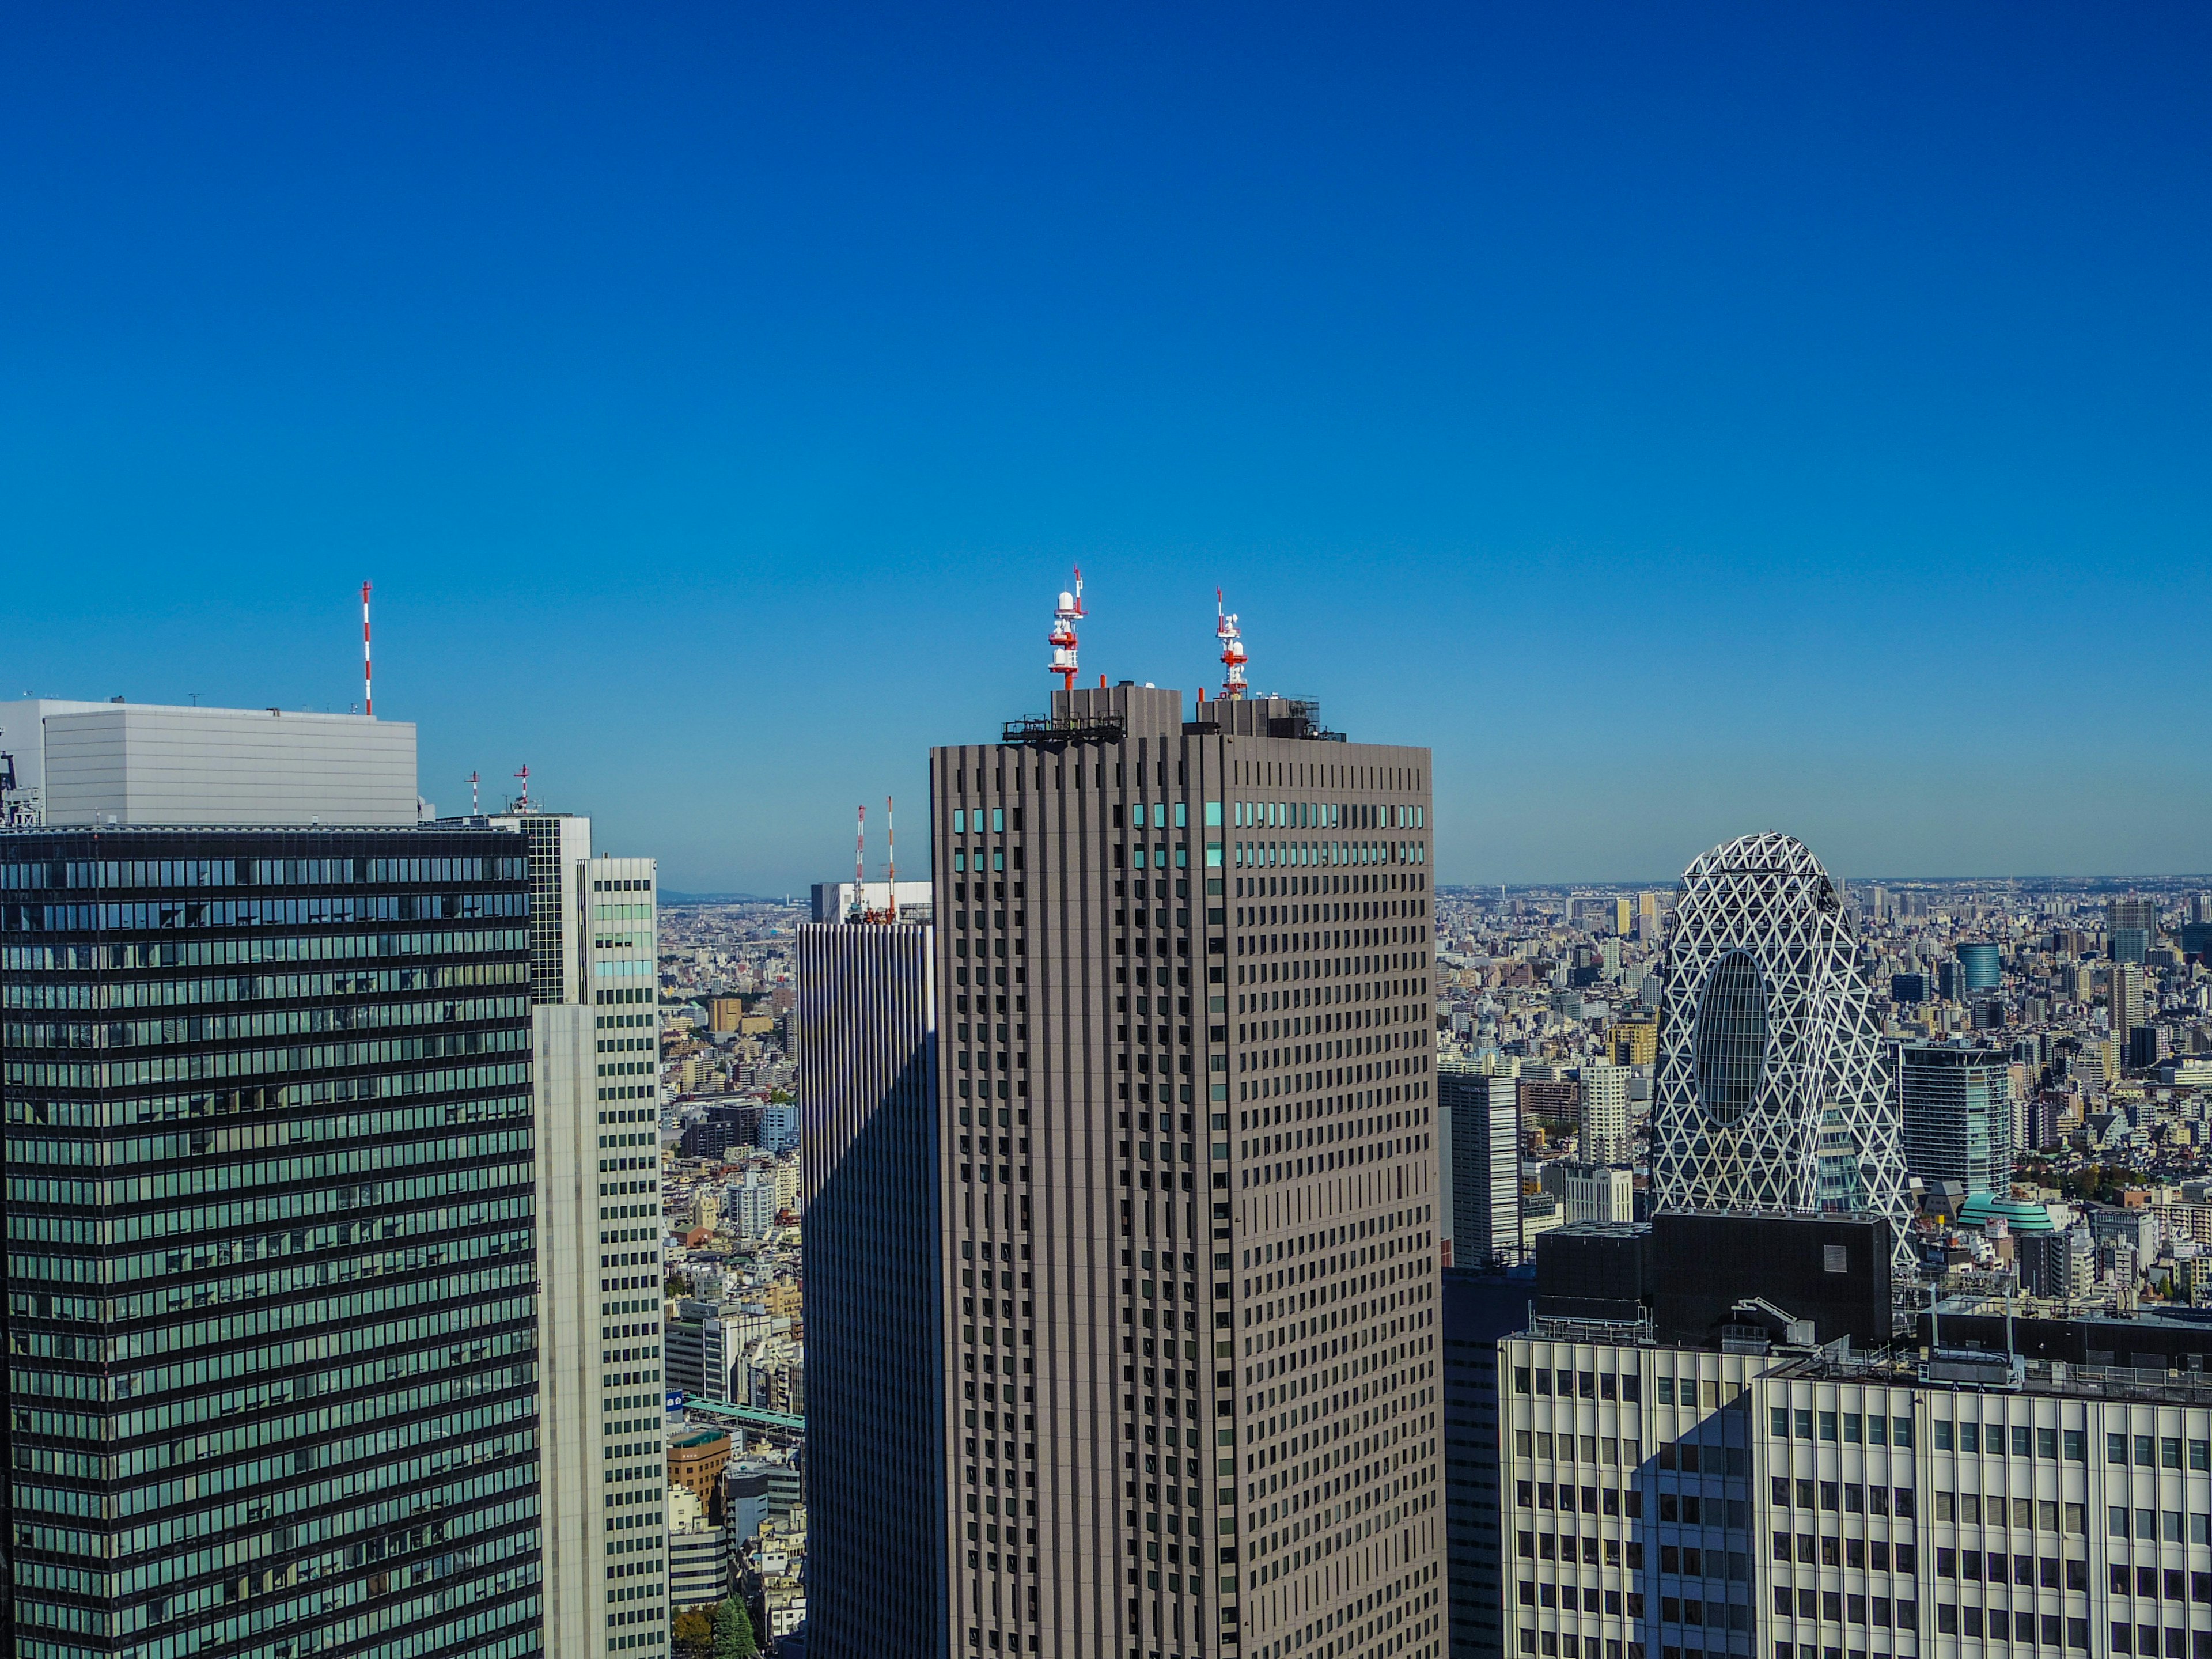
<point x="1731" y="1040"/>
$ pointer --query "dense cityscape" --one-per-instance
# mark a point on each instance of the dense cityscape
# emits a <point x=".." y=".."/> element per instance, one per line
<point x="1662" y="1159"/>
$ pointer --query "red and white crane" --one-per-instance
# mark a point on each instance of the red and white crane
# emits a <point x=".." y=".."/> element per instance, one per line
<point x="1064" y="616"/>
<point x="368" y="685"/>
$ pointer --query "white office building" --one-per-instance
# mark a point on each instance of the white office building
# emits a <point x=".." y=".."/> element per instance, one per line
<point x="698" y="1554"/>
<point x="1604" y="1129"/>
<point x="1590" y="1192"/>
<point x="122" y="764"/>
<point x="593" y="934"/>
<point x="1665" y="1501"/>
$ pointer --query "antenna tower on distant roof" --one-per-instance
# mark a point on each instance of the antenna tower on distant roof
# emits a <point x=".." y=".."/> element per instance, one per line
<point x="1064" y="616"/>
<point x="476" y="804"/>
<point x="1232" y="649"/>
<point x="368" y="685"/>
<point x="523" y="774"/>
<point x="858" y="910"/>
<point x="890" y="864"/>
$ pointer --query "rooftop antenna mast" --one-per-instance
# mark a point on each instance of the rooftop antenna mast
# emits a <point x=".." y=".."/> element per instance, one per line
<point x="1232" y="649"/>
<point x="890" y="864"/>
<point x="476" y="804"/>
<point x="1064" y="616"/>
<point x="368" y="685"/>
<point x="525" y="776"/>
<point x="858" y="910"/>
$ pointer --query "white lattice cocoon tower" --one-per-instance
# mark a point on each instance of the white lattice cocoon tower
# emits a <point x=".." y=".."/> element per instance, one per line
<point x="1772" y="1092"/>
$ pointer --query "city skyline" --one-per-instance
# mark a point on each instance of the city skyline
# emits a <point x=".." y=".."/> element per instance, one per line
<point x="685" y="380"/>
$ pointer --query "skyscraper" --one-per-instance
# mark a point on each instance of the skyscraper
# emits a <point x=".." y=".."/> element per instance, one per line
<point x="1956" y="1106"/>
<point x="1604" y="1121"/>
<point x="594" y="963"/>
<point x="1772" y="1091"/>
<point x="272" y="1282"/>
<point x="2131" y="925"/>
<point x="1481" y="1115"/>
<point x="2124" y="995"/>
<point x="866" y="1020"/>
<point x="1187" y="1178"/>
<point x="1980" y="968"/>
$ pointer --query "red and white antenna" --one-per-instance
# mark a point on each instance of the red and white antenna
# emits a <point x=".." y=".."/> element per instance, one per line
<point x="859" y="907"/>
<point x="890" y="863"/>
<point x="1232" y="648"/>
<point x="525" y="776"/>
<point x="476" y="805"/>
<point x="368" y="685"/>
<point x="1064" y="616"/>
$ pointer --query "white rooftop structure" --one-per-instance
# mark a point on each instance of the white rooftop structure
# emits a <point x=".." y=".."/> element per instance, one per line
<point x="132" y="765"/>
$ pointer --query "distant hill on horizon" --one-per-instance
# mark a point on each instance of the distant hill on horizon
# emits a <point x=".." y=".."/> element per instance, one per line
<point x="669" y="897"/>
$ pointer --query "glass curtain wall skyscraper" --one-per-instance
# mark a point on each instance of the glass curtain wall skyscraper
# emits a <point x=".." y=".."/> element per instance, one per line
<point x="272" y="1302"/>
<point x="1772" y="1089"/>
<point x="867" y="1013"/>
<point x="1957" y="1111"/>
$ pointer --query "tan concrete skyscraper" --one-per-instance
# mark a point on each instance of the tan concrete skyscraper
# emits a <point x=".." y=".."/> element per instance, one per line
<point x="1188" y="1182"/>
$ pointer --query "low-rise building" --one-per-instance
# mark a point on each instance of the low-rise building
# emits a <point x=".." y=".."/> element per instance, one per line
<point x="698" y="1554"/>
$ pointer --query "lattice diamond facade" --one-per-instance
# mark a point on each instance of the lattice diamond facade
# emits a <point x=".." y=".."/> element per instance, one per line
<point x="1773" y="1088"/>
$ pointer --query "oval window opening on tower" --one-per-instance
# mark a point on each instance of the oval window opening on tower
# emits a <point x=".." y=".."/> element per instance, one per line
<point x="1731" y="1040"/>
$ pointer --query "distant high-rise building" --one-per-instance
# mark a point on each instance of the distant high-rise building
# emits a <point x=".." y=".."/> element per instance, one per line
<point x="2124" y="992"/>
<point x="274" y="1297"/>
<point x="1604" y="1127"/>
<point x="1956" y="1105"/>
<point x="2148" y="1045"/>
<point x="1981" y="967"/>
<point x="1772" y="1091"/>
<point x="1623" y="917"/>
<point x="835" y="901"/>
<point x="1590" y="1192"/>
<point x="2131" y="927"/>
<point x="596" y="1047"/>
<point x="1187" y="985"/>
<point x="2131" y="912"/>
<point x="1908" y="987"/>
<point x="1634" y="1043"/>
<point x="876" y="1304"/>
<point x="1481" y="1116"/>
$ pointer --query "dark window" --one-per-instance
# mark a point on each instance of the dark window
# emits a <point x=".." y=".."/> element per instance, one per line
<point x="1730" y="1049"/>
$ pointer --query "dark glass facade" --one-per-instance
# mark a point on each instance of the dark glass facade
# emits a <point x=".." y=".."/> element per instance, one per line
<point x="270" y="1272"/>
<point x="1731" y="1043"/>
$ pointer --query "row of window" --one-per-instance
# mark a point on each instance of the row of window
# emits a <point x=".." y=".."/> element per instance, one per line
<point x="1850" y="1428"/>
<point x="1313" y="854"/>
<point x="250" y="950"/>
<point x="258" y="913"/>
<point x="469" y="1082"/>
<point x="282" y="1022"/>
<point x="60" y="874"/>
<point x="1321" y="815"/>
<point x="108" y="994"/>
<point x="1834" y="1496"/>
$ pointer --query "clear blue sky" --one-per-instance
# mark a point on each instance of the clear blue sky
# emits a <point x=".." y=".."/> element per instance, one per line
<point x="1688" y="420"/>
